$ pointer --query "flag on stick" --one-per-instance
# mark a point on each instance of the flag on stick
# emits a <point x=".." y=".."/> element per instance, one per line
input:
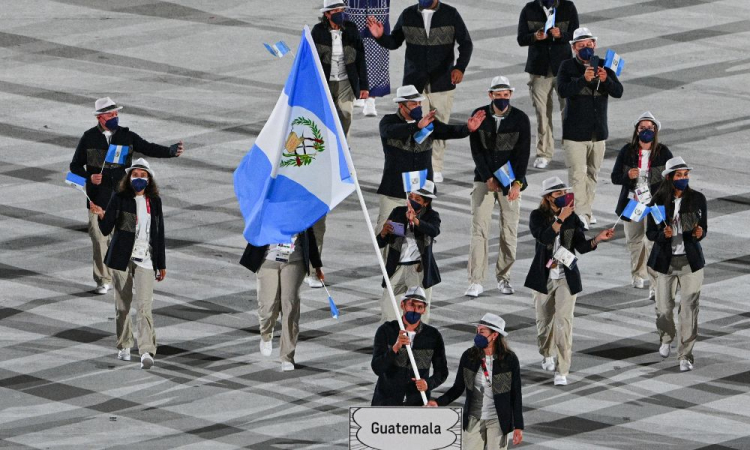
<point x="505" y="174"/>
<point x="658" y="212"/>
<point x="414" y="181"/>
<point x="278" y="49"/>
<point x="614" y="62"/>
<point x="635" y="211"/>
<point x="117" y="154"/>
<point x="77" y="182"/>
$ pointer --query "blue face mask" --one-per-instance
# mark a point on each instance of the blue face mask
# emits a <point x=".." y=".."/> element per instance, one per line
<point x="416" y="113"/>
<point x="112" y="123"/>
<point x="481" y="341"/>
<point x="412" y="317"/>
<point x="560" y="202"/>
<point x="646" y="136"/>
<point x="586" y="53"/>
<point x="501" y="103"/>
<point x="414" y="205"/>
<point x="681" y="184"/>
<point x="425" y="3"/>
<point x="337" y="18"/>
<point x="139" y="184"/>
<point x="548" y="3"/>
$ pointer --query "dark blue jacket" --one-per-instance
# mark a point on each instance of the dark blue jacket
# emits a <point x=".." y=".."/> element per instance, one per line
<point x="354" y="53"/>
<point x="628" y="159"/>
<point x="547" y="55"/>
<point x="254" y="257"/>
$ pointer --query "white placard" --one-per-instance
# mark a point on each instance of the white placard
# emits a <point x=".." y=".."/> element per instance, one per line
<point x="413" y="428"/>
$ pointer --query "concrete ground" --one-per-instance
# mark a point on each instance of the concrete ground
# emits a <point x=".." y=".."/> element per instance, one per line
<point x="196" y="70"/>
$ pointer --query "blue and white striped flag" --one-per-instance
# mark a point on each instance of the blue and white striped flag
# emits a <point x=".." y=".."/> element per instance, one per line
<point x="414" y="181"/>
<point x="278" y="49"/>
<point x="550" y="21"/>
<point x="659" y="213"/>
<point x="635" y="211"/>
<point x="76" y="181"/>
<point x="505" y="174"/>
<point x="614" y="62"/>
<point x="117" y="154"/>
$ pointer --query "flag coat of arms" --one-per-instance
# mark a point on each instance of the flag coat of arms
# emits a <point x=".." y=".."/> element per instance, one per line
<point x="505" y="174"/>
<point x="635" y="211"/>
<point x="296" y="171"/>
<point x="76" y="181"/>
<point x="614" y="62"/>
<point x="413" y="181"/>
<point x="117" y="154"/>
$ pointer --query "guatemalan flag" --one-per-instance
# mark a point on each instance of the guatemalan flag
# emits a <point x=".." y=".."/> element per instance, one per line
<point x="296" y="172"/>
<point x="635" y="211"/>
<point x="117" y="154"/>
<point x="658" y="213"/>
<point x="505" y="174"/>
<point x="414" y="181"/>
<point x="614" y="62"/>
<point x="76" y="181"/>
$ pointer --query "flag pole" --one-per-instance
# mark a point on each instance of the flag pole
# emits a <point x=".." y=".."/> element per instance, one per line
<point x="616" y="222"/>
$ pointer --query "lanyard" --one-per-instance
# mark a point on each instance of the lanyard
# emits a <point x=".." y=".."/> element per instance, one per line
<point x="640" y="160"/>
<point x="148" y="210"/>
<point x="486" y="374"/>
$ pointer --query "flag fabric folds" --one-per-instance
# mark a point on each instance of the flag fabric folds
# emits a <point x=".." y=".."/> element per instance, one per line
<point x="414" y="181"/>
<point x="296" y="171"/>
<point x="278" y="49"/>
<point x="76" y="181"/>
<point x="117" y="154"/>
<point x="505" y="174"/>
<point x="658" y="213"/>
<point x="635" y="211"/>
<point x="550" y="21"/>
<point x="614" y="62"/>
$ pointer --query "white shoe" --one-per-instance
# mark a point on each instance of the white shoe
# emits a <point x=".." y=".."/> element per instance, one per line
<point x="266" y="347"/>
<point x="313" y="282"/>
<point x="592" y="220"/>
<point x="585" y="222"/>
<point x="505" y="287"/>
<point x="541" y="163"/>
<point x="664" y="350"/>
<point x="548" y="364"/>
<point x="437" y="177"/>
<point x="685" y="365"/>
<point x="560" y="380"/>
<point x="124" y="354"/>
<point x="287" y="366"/>
<point x="102" y="289"/>
<point x="474" y="290"/>
<point x="639" y="283"/>
<point x="359" y="103"/>
<point x="652" y="294"/>
<point x="147" y="361"/>
<point x="369" y="108"/>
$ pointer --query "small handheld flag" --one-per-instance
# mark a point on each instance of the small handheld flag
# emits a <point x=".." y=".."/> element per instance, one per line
<point x="614" y="62"/>
<point x="413" y="181"/>
<point x="635" y="211"/>
<point x="117" y="154"/>
<point x="422" y="134"/>
<point x="334" y="309"/>
<point x="278" y="49"/>
<point x="505" y="174"/>
<point x="77" y="182"/>
<point x="550" y="21"/>
<point x="658" y="212"/>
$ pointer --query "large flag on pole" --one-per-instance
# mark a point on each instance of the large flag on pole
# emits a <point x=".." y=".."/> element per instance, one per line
<point x="296" y="172"/>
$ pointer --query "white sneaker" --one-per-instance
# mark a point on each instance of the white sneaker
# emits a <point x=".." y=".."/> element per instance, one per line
<point x="639" y="283"/>
<point x="313" y="282"/>
<point x="102" y="289"/>
<point x="652" y="294"/>
<point x="369" y="108"/>
<point x="359" y="103"/>
<point x="474" y="290"/>
<point x="147" y="361"/>
<point x="505" y="287"/>
<point x="437" y="177"/>
<point x="664" y="350"/>
<point x="266" y="347"/>
<point x="685" y="365"/>
<point x="585" y="222"/>
<point x="560" y="380"/>
<point x="592" y="220"/>
<point x="287" y="366"/>
<point x="548" y="364"/>
<point x="124" y="354"/>
<point x="541" y="163"/>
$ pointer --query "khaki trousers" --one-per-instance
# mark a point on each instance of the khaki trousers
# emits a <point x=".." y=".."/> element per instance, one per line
<point x="584" y="159"/>
<point x="278" y="291"/>
<point x="386" y="206"/>
<point x="402" y="279"/>
<point x="554" y="323"/>
<point x="482" y="204"/>
<point x="640" y="248"/>
<point x="679" y="276"/>
<point x="100" y="243"/>
<point x="442" y="102"/>
<point x="343" y="99"/>
<point x="142" y="280"/>
<point x="540" y="90"/>
<point x="484" y="435"/>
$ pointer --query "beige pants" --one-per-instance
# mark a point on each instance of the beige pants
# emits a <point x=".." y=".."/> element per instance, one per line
<point x="401" y="280"/>
<point x="690" y="283"/>
<point x="387" y="204"/>
<point x="540" y="90"/>
<point x="640" y="248"/>
<point x="482" y="204"/>
<point x="142" y="280"/>
<point x="278" y="291"/>
<point x="584" y="159"/>
<point x="554" y="323"/>
<point x="100" y="243"/>
<point x="343" y="98"/>
<point x="442" y="102"/>
<point x="484" y="435"/>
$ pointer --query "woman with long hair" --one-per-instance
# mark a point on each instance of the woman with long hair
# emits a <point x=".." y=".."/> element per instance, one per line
<point x="136" y="256"/>
<point x="638" y="170"/>
<point x="490" y="375"/>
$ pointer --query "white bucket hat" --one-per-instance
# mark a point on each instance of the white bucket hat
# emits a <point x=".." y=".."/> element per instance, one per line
<point x="140" y="163"/>
<point x="676" y="163"/>
<point x="553" y="184"/>
<point x="581" y="34"/>
<point x="329" y="5"/>
<point x="493" y="322"/>
<point x="650" y="117"/>
<point x="415" y="293"/>
<point x="408" y="93"/>
<point x="500" y="83"/>
<point x="105" y="105"/>
<point x="428" y="190"/>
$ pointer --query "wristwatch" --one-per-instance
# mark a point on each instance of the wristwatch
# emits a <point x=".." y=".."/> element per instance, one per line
<point x="558" y="220"/>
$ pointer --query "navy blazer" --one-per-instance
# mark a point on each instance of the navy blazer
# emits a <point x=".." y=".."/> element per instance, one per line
<point x="254" y="257"/>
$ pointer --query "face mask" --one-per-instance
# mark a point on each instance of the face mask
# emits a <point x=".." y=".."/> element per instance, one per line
<point x="139" y="184"/>
<point x="425" y="3"/>
<point x="681" y="184"/>
<point x="414" y="205"/>
<point x="416" y="113"/>
<point x="412" y="317"/>
<point x="646" y="136"/>
<point x="560" y="202"/>
<point x="548" y="3"/>
<point x="112" y="123"/>
<point x="337" y="18"/>
<point x="586" y="53"/>
<point x="501" y="103"/>
<point x="481" y="341"/>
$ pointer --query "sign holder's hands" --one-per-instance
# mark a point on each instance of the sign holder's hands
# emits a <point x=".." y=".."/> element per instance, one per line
<point x="387" y="229"/>
<point x="375" y="27"/>
<point x="668" y="232"/>
<point x="403" y="340"/>
<point x="515" y="192"/>
<point x="161" y="275"/>
<point x="555" y="32"/>
<point x="698" y="232"/>
<point x="319" y="273"/>
<point x="428" y="119"/>
<point x="476" y="120"/>
<point x="364" y="94"/>
<point x="421" y="385"/>
<point x="517" y="436"/>
<point x="456" y="76"/>
<point x="493" y="185"/>
<point x="601" y="74"/>
<point x="96" y="178"/>
<point x="589" y="74"/>
<point x="540" y="35"/>
<point x="634" y="173"/>
<point x="96" y="210"/>
<point x="431" y="404"/>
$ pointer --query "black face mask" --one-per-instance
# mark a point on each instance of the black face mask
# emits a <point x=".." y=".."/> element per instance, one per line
<point x="337" y="18"/>
<point x="548" y="3"/>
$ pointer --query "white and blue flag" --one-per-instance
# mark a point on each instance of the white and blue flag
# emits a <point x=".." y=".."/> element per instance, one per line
<point x="550" y="20"/>
<point x="296" y="171"/>
<point x="414" y="181"/>
<point x="614" y="62"/>
<point x="658" y="212"/>
<point x="635" y="211"/>
<point x="76" y="181"/>
<point x="278" y="49"/>
<point x="505" y="174"/>
<point x="117" y="154"/>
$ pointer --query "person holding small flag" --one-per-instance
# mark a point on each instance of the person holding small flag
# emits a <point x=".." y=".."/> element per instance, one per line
<point x="638" y="170"/>
<point x="396" y="385"/>
<point x="677" y="256"/>
<point x="101" y="157"/>
<point x="500" y="149"/>
<point x="489" y="374"/>
<point x="407" y="237"/>
<point x="554" y="276"/>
